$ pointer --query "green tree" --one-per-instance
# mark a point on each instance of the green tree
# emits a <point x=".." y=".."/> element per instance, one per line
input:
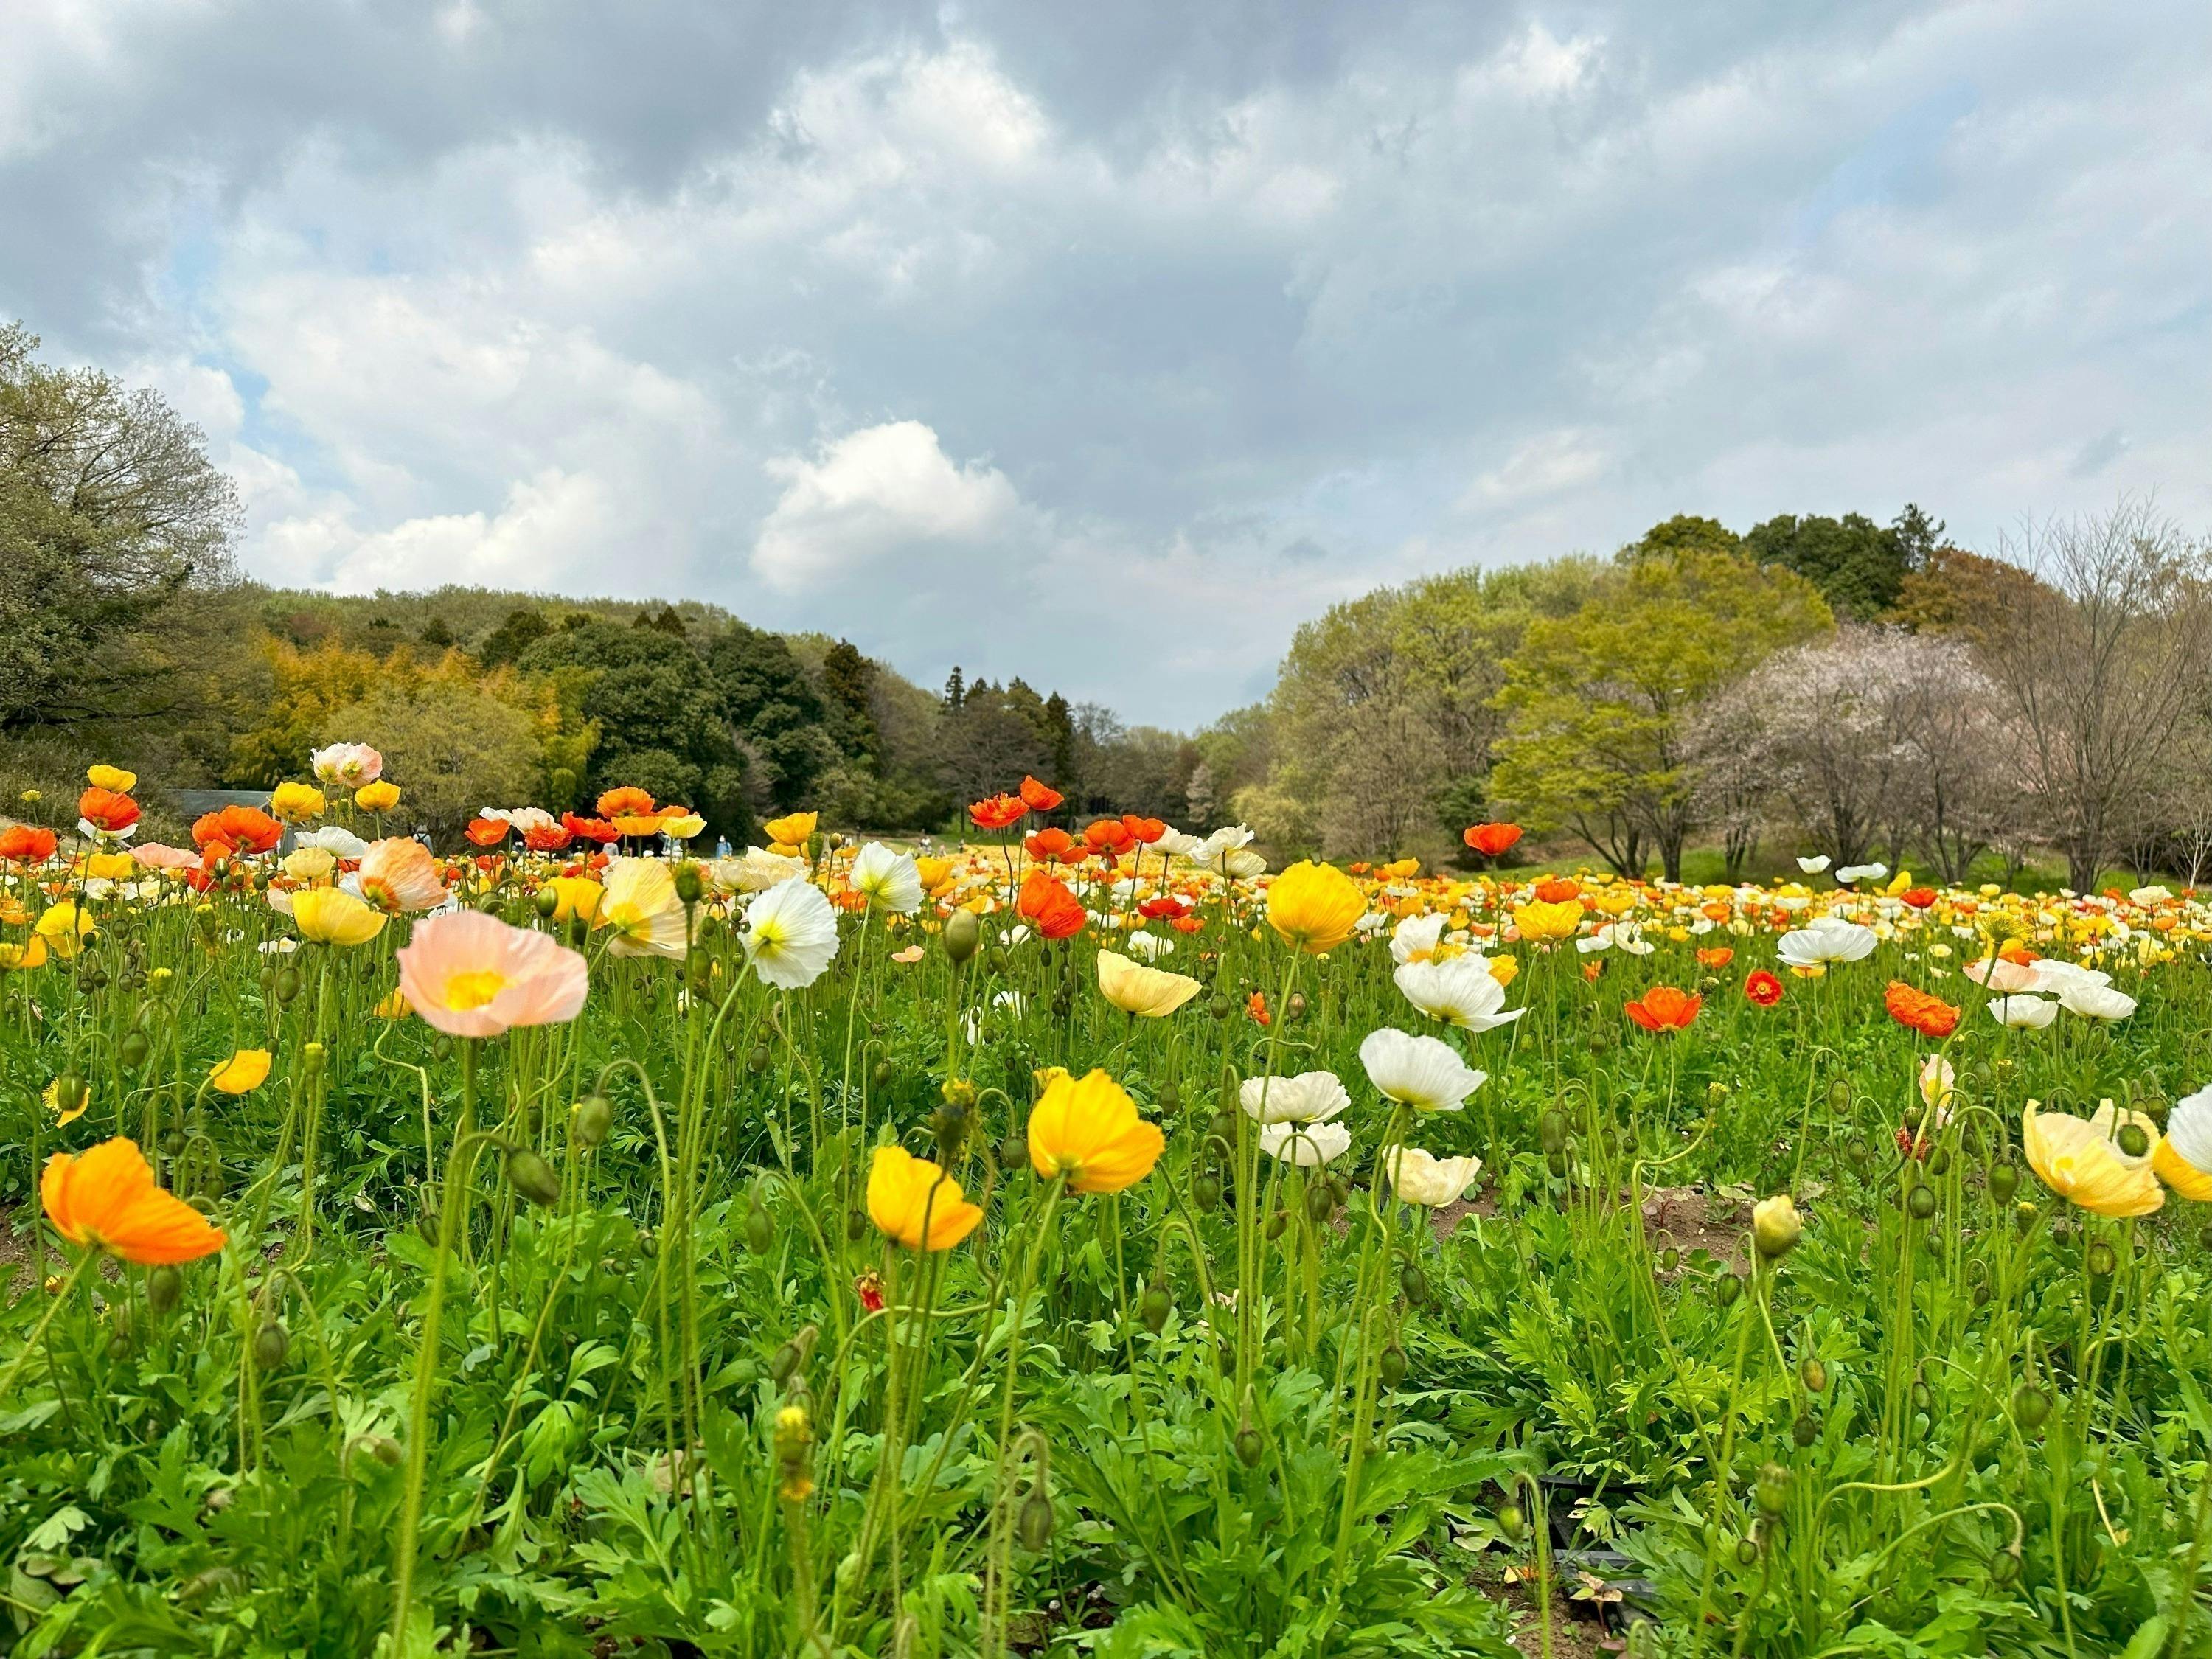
<point x="657" y="710"/>
<point x="1599" y="703"/>
<point x="770" y="704"/>
<point x="1684" y="533"/>
<point x="848" y="681"/>
<point x="1859" y="567"/>
<point x="115" y="532"/>
<point x="453" y="747"/>
<point x="504" y="644"/>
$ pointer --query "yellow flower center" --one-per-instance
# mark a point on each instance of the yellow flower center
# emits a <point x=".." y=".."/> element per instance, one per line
<point x="473" y="990"/>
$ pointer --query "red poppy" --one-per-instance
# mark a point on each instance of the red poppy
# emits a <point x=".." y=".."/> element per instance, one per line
<point x="107" y="809"/>
<point x="1920" y="898"/>
<point x="1143" y="831"/>
<point x="997" y="812"/>
<point x="1039" y="797"/>
<point x="1763" y="988"/>
<point x="1492" y="840"/>
<point x="547" y="838"/>
<point x="626" y="802"/>
<point x="1167" y="908"/>
<point x="26" y="843"/>
<point x="597" y="829"/>
<point x="869" y="1287"/>
<point x="1557" y="890"/>
<point x="1914" y="1009"/>
<point x="1057" y="913"/>
<point x="487" y="832"/>
<point x="1664" y="1008"/>
<point x="1052" y="847"/>
<point x="237" y="829"/>
<point x="1718" y="956"/>
<point x="1256" y="1005"/>
<point x="1106" y="834"/>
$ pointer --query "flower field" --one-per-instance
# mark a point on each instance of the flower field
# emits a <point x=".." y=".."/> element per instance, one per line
<point x="1082" y="1238"/>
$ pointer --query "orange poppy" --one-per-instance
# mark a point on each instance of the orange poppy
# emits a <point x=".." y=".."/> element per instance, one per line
<point x="26" y="843"/>
<point x="107" y="809"/>
<point x="1664" y="1008"/>
<point x="1057" y="913"/>
<point x="488" y="832"/>
<point x="107" y="1200"/>
<point x="1256" y="1005"/>
<point x="236" y="830"/>
<point x="546" y="838"/>
<point x="1492" y="840"/>
<point x="997" y="812"/>
<point x="1718" y="956"/>
<point x="1557" y="890"/>
<point x="1039" y="797"/>
<point x="1920" y="898"/>
<point x="597" y="829"/>
<point x="1143" y="831"/>
<point x="1052" y="846"/>
<point x="1763" y="988"/>
<point x="1913" y="1008"/>
<point x="625" y="802"/>
<point x="1106" y="834"/>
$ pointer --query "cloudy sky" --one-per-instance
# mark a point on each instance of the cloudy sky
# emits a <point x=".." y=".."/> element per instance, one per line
<point x="1102" y="344"/>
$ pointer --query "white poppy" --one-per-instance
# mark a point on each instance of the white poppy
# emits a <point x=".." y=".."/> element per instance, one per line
<point x="2188" y="1129"/>
<point x="1826" y="939"/>
<point x="1309" y="1098"/>
<point x="2023" y="1013"/>
<point x="1814" y="866"/>
<point x="1852" y="872"/>
<point x="2096" y="1001"/>
<point x="1420" y="1178"/>
<point x="1307" y="1144"/>
<point x="791" y="933"/>
<point x="1419" y="1072"/>
<point x="1460" y="992"/>
<point x="1416" y="937"/>
<point x="889" y="880"/>
<point x="1151" y="946"/>
<point x="334" y="839"/>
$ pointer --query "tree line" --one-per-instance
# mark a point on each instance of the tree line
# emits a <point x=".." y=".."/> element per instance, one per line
<point x="1868" y="690"/>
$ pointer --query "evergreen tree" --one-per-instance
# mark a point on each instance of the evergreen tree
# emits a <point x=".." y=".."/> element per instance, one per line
<point x="955" y="690"/>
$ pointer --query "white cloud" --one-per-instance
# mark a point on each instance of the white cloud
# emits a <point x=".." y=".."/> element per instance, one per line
<point x="882" y="491"/>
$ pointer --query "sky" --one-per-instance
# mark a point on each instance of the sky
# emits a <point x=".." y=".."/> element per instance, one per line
<point x="1104" y="345"/>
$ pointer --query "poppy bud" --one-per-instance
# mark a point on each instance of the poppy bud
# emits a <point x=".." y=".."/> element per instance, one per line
<point x="1279" y="1223"/>
<point x="133" y="1049"/>
<point x="164" y="1285"/>
<point x="1296" y="1006"/>
<point x="1551" y="1130"/>
<point x="1716" y="1093"/>
<point x="287" y="984"/>
<point x="1813" y="1375"/>
<point x="1321" y="1202"/>
<point x="2004" y="1566"/>
<point x="1670" y="1258"/>
<point x="532" y="1176"/>
<point x="2025" y="1217"/>
<point x="2004" y="1180"/>
<point x="1154" y="1307"/>
<point x="963" y="933"/>
<point x="1726" y="1289"/>
<point x="1747" y="1550"/>
<point x="690" y="887"/>
<point x="271" y="1343"/>
<point x="881" y="1077"/>
<point x="1804" y="1429"/>
<point x="1840" y="1095"/>
<point x="1776" y="1227"/>
<point x="1170" y="1096"/>
<point x="1390" y="1370"/>
<point x="312" y="1059"/>
<point x="593" y="1117"/>
<point x="1771" y="1489"/>
<point x="958" y="1092"/>
<point x="1512" y="1520"/>
<point x="1220" y="1008"/>
<point x="1033" y="1524"/>
<point x="760" y="1228"/>
<point x="783" y="1362"/>
<point x="1250" y="1448"/>
<point x="547" y="903"/>
<point x="383" y="1448"/>
<point x="757" y="1061"/>
<point x="1921" y="1201"/>
<point x="1415" y="1285"/>
<point x="1013" y="1152"/>
<point x="2132" y="1140"/>
<point x="173" y="1143"/>
<point x="1556" y="1163"/>
<point x="1206" y="1190"/>
<point x="2101" y="1260"/>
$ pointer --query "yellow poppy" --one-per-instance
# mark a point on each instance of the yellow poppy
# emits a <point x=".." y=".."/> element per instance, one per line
<point x="575" y="897"/>
<point x="296" y="803"/>
<point x="1136" y="989"/>
<point x="1538" y="920"/>
<point x="2076" y="1159"/>
<point x="790" y="830"/>
<point x="917" y="1203"/>
<point x="1088" y="1133"/>
<point x="112" y="778"/>
<point x="31" y="953"/>
<point x="1314" y="907"/>
<point x="378" y="796"/>
<point x="329" y="915"/>
<point x="243" y="1073"/>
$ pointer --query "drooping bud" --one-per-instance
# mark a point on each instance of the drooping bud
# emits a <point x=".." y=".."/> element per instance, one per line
<point x="1033" y="1523"/>
<point x="593" y="1117"/>
<point x="963" y="933"/>
<point x="690" y="885"/>
<point x="1771" y="1489"/>
<point x="271" y="1343"/>
<point x="532" y="1176"/>
<point x="165" y="1285"/>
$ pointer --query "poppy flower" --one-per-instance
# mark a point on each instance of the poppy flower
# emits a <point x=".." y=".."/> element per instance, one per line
<point x="110" y="777"/>
<point x="1763" y="988"/>
<point x="1039" y="797"/>
<point x="1491" y="840"/>
<point x="869" y="1287"/>
<point x="1664" y="1008"/>
<point x="2079" y="1160"/>
<point x="1166" y="907"/>
<point x="26" y="843"/>
<point x="624" y="802"/>
<point x="1186" y="924"/>
<point x="470" y="975"/>
<point x="242" y="1073"/>
<point x="297" y="803"/>
<point x="548" y="837"/>
<point x="997" y="812"/>
<point x="1106" y="834"/>
<point x="1088" y="1133"/>
<point x="397" y="874"/>
<point x="1548" y="918"/>
<point x="377" y="798"/>
<point x="1043" y="900"/>
<point x="329" y="915"/>
<point x="1143" y="831"/>
<point x="596" y="829"/>
<point x="108" y="811"/>
<point x="1314" y="907"/>
<point x="1920" y="898"/>
<point x="915" y="1203"/>
<point x="1256" y="1006"/>
<point x="791" y="829"/>
<point x="1558" y="890"/>
<point x="107" y="1200"/>
<point x="1134" y="988"/>
<point x="1052" y="847"/>
<point x="1718" y="956"/>
<point x="236" y="830"/>
<point x="487" y="832"/>
<point x="1913" y="1008"/>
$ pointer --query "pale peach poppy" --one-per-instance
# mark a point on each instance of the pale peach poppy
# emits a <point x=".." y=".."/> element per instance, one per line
<point x="470" y="975"/>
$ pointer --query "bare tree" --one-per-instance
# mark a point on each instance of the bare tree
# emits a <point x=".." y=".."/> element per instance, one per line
<point x="2099" y="664"/>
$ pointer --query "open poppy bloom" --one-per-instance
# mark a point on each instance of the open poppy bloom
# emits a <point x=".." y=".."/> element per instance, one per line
<point x="1039" y="797"/>
<point x="1491" y="840"/>
<point x="1920" y="898"/>
<point x="487" y="832"/>
<point x="1913" y="1008"/>
<point x="236" y="830"/>
<point x="108" y="810"/>
<point x="470" y="975"/>
<point x="997" y="812"/>
<point x="2078" y="1159"/>
<point x="26" y="843"/>
<point x="1166" y="907"/>
<point x="1763" y="988"/>
<point x="1548" y="918"/>
<point x="916" y="1203"/>
<point x="107" y="1200"/>
<point x="1053" y="846"/>
<point x="597" y="829"/>
<point x="1718" y="956"/>
<point x="1143" y="831"/>
<point x="1088" y="1132"/>
<point x="1106" y="836"/>
<point x="1558" y="890"/>
<point x="1664" y="1008"/>
<point x="242" y="1073"/>
<point x="625" y="802"/>
<point x="1043" y="900"/>
<point x="1314" y="907"/>
<point x="547" y="838"/>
